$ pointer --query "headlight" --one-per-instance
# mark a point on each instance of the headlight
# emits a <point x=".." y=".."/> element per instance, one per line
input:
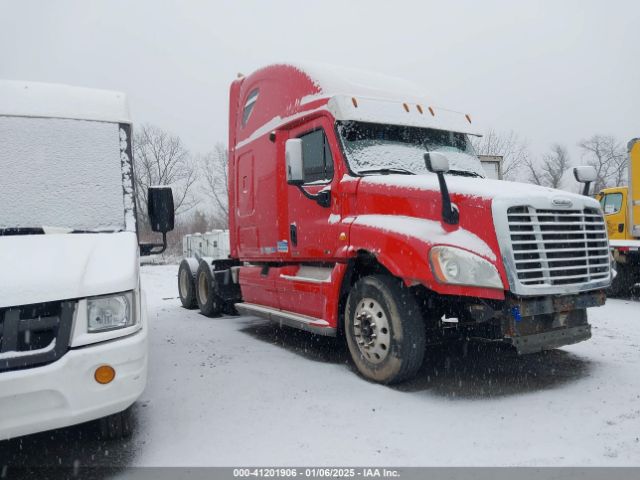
<point x="110" y="313"/>
<point x="459" y="267"/>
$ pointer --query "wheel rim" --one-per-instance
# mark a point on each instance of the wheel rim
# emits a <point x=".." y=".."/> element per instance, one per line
<point x="203" y="288"/>
<point x="371" y="330"/>
<point x="183" y="284"/>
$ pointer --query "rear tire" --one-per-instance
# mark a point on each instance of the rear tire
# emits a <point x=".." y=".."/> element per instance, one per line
<point x="385" y="330"/>
<point x="116" y="426"/>
<point x="187" y="283"/>
<point x="208" y="301"/>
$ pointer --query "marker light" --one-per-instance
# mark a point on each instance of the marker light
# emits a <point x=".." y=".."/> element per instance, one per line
<point x="104" y="374"/>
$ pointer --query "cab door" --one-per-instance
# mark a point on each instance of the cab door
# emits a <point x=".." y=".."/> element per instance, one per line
<point x="614" y="206"/>
<point x="312" y="236"/>
<point x="312" y="231"/>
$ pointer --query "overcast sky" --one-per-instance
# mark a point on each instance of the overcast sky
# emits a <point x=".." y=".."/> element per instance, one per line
<point x="554" y="71"/>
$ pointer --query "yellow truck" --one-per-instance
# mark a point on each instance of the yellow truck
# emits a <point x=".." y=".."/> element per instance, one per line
<point x="621" y="207"/>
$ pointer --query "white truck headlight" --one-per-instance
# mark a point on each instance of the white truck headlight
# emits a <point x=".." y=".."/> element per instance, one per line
<point x="110" y="312"/>
<point x="459" y="267"/>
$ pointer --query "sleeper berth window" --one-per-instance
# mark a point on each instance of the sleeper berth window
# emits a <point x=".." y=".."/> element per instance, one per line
<point x="248" y="106"/>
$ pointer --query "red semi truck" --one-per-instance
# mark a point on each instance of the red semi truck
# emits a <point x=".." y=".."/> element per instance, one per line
<point x="358" y="208"/>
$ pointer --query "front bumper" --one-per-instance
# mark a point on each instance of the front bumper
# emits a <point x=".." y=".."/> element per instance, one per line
<point x="65" y="392"/>
<point x="533" y="324"/>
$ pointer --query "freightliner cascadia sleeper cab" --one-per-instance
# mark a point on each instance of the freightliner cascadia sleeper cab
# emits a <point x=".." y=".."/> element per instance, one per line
<point x="357" y="207"/>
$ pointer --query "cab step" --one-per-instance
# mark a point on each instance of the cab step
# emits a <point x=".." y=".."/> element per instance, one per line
<point x="290" y="319"/>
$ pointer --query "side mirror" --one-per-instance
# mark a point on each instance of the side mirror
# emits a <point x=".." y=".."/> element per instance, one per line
<point x="293" y="158"/>
<point x="585" y="174"/>
<point x="160" y="208"/>
<point x="161" y="218"/>
<point x="436" y="162"/>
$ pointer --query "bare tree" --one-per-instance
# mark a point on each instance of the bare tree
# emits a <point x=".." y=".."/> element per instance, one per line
<point x="199" y="222"/>
<point x="608" y="156"/>
<point x="620" y="167"/>
<point x="552" y="169"/>
<point x="162" y="159"/>
<point x="535" y="175"/>
<point x="216" y="182"/>
<point x="555" y="164"/>
<point x="514" y="151"/>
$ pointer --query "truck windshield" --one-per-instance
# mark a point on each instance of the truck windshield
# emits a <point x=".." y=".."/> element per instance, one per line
<point x="371" y="147"/>
<point x="62" y="173"/>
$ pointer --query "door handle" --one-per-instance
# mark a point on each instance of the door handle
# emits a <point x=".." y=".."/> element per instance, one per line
<point x="293" y="234"/>
<point x="620" y="227"/>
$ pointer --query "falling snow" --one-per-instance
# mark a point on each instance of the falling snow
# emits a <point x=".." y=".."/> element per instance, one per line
<point x="240" y="391"/>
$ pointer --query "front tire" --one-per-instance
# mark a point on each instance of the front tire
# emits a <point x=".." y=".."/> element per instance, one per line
<point x="385" y="330"/>
<point x="208" y="301"/>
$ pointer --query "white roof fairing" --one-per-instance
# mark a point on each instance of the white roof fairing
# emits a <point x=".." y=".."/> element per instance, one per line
<point x="48" y="100"/>
<point x="374" y="110"/>
<point x="380" y="99"/>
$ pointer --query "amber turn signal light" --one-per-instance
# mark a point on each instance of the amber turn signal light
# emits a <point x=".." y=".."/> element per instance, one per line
<point x="104" y="374"/>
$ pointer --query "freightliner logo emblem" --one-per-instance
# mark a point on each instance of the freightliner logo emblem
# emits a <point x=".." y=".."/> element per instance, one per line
<point x="562" y="202"/>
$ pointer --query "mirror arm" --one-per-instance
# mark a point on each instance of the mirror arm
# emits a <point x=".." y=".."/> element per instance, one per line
<point x="323" y="197"/>
<point x="585" y="190"/>
<point x="449" y="214"/>
<point x="147" y="249"/>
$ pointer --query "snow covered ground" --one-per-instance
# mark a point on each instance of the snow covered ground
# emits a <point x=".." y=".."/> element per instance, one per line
<point x="237" y="391"/>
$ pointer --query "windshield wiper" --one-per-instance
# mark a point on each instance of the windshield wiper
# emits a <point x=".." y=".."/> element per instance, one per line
<point x="387" y="171"/>
<point x="464" y="173"/>
<point x="95" y="231"/>
<point x="9" y="231"/>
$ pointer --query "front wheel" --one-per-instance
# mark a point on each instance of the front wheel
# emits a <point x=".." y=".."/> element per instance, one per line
<point x="384" y="329"/>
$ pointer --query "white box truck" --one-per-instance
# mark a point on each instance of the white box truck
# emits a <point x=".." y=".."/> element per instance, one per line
<point x="73" y="322"/>
<point x="214" y="244"/>
<point x="492" y="166"/>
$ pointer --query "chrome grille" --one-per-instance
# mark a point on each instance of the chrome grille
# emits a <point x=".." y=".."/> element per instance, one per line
<point x="558" y="247"/>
